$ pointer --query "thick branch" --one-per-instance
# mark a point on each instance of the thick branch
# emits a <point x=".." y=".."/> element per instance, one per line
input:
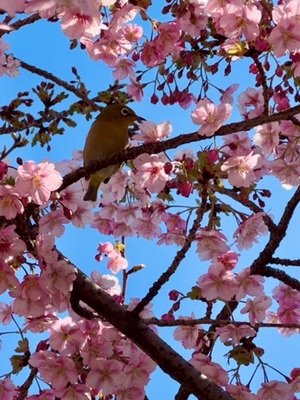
<point x="133" y="327"/>
<point x="276" y="236"/>
<point x="158" y="147"/>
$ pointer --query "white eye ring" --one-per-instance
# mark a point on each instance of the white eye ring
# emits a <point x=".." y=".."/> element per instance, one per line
<point x="125" y="111"/>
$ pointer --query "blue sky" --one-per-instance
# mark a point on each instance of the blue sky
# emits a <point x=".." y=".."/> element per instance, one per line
<point x="42" y="44"/>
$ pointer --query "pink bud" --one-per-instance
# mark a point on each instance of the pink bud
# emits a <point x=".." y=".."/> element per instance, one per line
<point x="212" y="156"/>
<point x="173" y="295"/>
<point x="185" y="188"/>
<point x="168" y="167"/>
<point x="3" y="169"/>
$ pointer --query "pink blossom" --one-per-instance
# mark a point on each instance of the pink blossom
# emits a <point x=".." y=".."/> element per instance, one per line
<point x="105" y="375"/>
<point x="71" y="197"/>
<point x="130" y="393"/>
<point x="174" y="222"/>
<point x="45" y="248"/>
<point x="228" y="259"/>
<point x="115" y="188"/>
<point x="37" y="181"/>
<point x="285" y="36"/>
<point x="151" y="54"/>
<point x="132" y="32"/>
<point x="31" y="296"/>
<point x="59" y="276"/>
<point x="289" y="313"/>
<point x="210" y="244"/>
<point x="172" y="238"/>
<point x="168" y="37"/>
<point x="188" y="335"/>
<point x="82" y="215"/>
<point x="210" y="369"/>
<point x="150" y="172"/>
<point x="76" y="391"/>
<point x="234" y="332"/>
<point x="12" y="7"/>
<point x="135" y="89"/>
<point x="104" y="225"/>
<point x="41" y="323"/>
<point x="267" y="137"/>
<point x="123" y="68"/>
<point x="47" y="394"/>
<point x="240" y="392"/>
<point x="65" y="336"/>
<point x="210" y="116"/>
<point x="241" y="169"/>
<point x="288" y="172"/>
<point x="284" y="294"/>
<point x="116" y="262"/>
<point x="217" y="283"/>
<point x="251" y="98"/>
<point x="241" y="19"/>
<point x="57" y="370"/>
<point x="108" y="283"/>
<point x="53" y="222"/>
<point x="247" y="232"/>
<point x="248" y="284"/>
<point x="7" y="277"/>
<point x="275" y="390"/>
<point x="8" y="390"/>
<point x="146" y="313"/>
<point x="227" y="94"/>
<point x="237" y="144"/>
<point x="81" y="19"/>
<point x="146" y="227"/>
<point x="11" y="245"/>
<point x="257" y="308"/>
<point x="6" y="313"/>
<point x="138" y="369"/>
<point x="151" y="132"/>
<point x="188" y="23"/>
<point x="10" y="204"/>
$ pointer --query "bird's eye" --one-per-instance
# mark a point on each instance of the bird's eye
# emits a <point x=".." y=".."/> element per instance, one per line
<point x="125" y="112"/>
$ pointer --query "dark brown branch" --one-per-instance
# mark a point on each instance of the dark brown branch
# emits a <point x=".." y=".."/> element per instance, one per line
<point x="23" y="389"/>
<point x="133" y="327"/>
<point x="276" y="236"/>
<point x="282" y="276"/>
<point x="285" y="262"/>
<point x="157" y="147"/>
<point x="180" y="255"/>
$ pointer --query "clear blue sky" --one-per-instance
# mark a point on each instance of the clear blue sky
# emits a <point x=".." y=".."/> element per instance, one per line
<point x="42" y="44"/>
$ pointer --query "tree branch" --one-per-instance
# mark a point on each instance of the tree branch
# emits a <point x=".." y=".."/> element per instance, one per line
<point x="133" y="327"/>
<point x="173" y="143"/>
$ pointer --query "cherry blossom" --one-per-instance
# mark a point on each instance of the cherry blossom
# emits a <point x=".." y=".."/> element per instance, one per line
<point x="241" y="169"/>
<point x="217" y="283"/>
<point x="247" y="232"/>
<point x="150" y="172"/>
<point x="37" y="181"/>
<point x="234" y="332"/>
<point x="210" y="116"/>
<point x="257" y="308"/>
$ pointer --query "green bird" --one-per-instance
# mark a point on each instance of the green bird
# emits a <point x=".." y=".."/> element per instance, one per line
<point x="107" y="135"/>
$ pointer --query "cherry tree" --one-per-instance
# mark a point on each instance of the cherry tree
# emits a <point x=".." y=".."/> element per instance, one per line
<point x="79" y="335"/>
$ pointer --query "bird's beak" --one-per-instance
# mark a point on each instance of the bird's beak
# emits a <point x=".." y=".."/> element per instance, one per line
<point x="140" y="119"/>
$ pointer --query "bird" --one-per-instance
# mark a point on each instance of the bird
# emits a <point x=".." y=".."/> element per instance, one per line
<point x="108" y="135"/>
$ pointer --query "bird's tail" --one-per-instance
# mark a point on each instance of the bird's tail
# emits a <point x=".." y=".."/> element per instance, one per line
<point x="91" y="193"/>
